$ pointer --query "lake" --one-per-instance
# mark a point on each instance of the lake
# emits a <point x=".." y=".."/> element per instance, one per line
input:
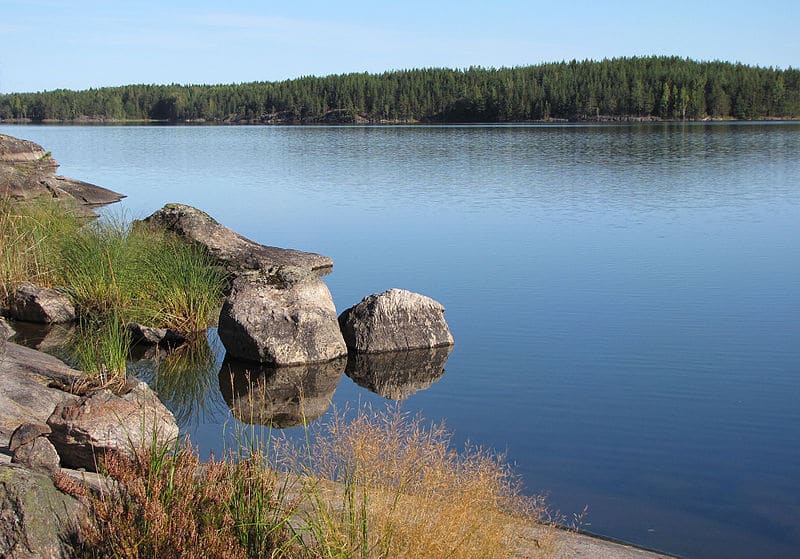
<point x="625" y="299"/>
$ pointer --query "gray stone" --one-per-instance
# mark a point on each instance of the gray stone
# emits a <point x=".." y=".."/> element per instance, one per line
<point x="6" y="331"/>
<point x="395" y="320"/>
<point x="237" y="253"/>
<point x="37" y="521"/>
<point x="396" y="375"/>
<point x="279" y="396"/>
<point x="31" y="303"/>
<point x="39" y="455"/>
<point x="270" y="321"/>
<point x="26" y="392"/>
<point x="85" y="430"/>
<point x="27" y="172"/>
<point x="141" y="334"/>
<point x="27" y="433"/>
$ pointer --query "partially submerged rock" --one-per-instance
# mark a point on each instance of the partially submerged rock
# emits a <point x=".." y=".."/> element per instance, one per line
<point x="85" y="430"/>
<point x="287" y="319"/>
<point x="31" y="303"/>
<point x="279" y="396"/>
<point x="235" y="252"/>
<point x="396" y="375"/>
<point x="141" y="334"/>
<point x="395" y="320"/>
<point x="27" y="173"/>
<point x="37" y="521"/>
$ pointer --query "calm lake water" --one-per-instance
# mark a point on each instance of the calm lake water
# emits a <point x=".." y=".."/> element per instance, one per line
<point x="625" y="299"/>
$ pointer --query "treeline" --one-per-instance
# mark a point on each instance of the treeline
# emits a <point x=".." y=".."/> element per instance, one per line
<point x="638" y="87"/>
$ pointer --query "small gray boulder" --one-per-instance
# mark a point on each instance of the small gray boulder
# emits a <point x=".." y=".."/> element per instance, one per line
<point x="395" y="320"/>
<point x="31" y="303"/>
<point x="286" y="319"/>
<point x="39" y="455"/>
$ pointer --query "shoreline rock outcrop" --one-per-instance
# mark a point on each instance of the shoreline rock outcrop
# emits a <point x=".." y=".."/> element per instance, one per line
<point x="27" y="172"/>
<point x="395" y="320"/>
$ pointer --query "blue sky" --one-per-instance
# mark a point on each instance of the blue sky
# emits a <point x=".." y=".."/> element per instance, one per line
<point x="78" y="44"/>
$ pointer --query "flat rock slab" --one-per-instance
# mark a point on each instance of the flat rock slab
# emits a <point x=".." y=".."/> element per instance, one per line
<point x="237" y="253"/>
<point x="24" y="393"/>
<point x="395" y="320"/>
<point x="280" y="322"/>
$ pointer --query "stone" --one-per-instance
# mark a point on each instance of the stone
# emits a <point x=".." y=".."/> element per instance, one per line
<point x="396" y="375"/>
<point x="85" y="430"/>
<point x="6" y="330"/>
<point x="27" y="433"/>
<point x="39" y="455"/>
<point x="27" y="172"/>
<point x="395" y="320"/>
<point x="237" y="253"/>
<point x="27" y="394"/>
<point x="37" y="521"/>
<point x="285" y="319"/>
<point x="280" y="397"/>
<point x="31" y="303"/>
<point x="141" y="334"/>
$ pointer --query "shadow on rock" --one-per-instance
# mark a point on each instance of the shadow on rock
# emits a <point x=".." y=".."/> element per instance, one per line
<point x="396" y="375"/>
<point x="279" y="396"/>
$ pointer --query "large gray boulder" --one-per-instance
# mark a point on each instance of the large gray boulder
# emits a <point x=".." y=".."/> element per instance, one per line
<point x="279" y="396"/>
<point x="235" y="252"/>
<point x="286" y="319"/>
<point x="395" y="320"/>
<point x="31" y="303"/>
<point x="396" y="375"/>
<point x="85" y="430"/>
<point x="26" y="392"/>
<point x="37" y="521"/>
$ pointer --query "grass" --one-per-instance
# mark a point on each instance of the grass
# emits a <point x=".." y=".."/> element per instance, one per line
<point x="114" y="272"/>
<point x="380" y="485"/>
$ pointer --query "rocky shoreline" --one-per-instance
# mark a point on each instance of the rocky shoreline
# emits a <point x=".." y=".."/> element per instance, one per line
<point x="278" y="312"/>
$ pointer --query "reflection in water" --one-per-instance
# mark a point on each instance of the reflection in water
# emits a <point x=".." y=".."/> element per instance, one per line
<point x="48" y="338"/>
<point x="182" y="377"/>
<point x="398" y="374"/>
<point x="279" y="396"/>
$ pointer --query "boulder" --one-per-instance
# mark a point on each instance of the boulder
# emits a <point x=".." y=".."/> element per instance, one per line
<point x="280" y="397"/>
<point x="31" y="303"/>
<point x="6" y="330"/>
<point x="27" y="172"/>
<point x="84" y="430"/>
<point x="141" y="334"/>
<point x="27" y="433"/>
<point x="395" y="320"/>
<point x="396" y="375"/>
<point x="286" y="319"/>
<point x="235" y="252"/>
<point x="39" y="455"/>
<point x="26" y="395"/>
<point x="37" y="521"/>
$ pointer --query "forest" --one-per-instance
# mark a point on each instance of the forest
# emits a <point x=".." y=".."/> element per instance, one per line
<point x="630" y="88"/>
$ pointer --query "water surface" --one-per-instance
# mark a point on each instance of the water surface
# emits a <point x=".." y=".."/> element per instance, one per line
<point x="624" y="299"/>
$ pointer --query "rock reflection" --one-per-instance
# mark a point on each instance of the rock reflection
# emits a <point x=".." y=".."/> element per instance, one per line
<point x="396" y="375"/>
<point x="279" y="396"/>
<point x="49" y="338"/>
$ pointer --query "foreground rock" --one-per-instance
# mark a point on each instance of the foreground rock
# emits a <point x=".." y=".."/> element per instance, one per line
<point x="31" y="303"/>
<point x="395" y="320"/>
<point x="85" y="430"/>
<point x="26" y="395"/>
<point x="237" y="253"/>
<point x="287" y="319"/>
<point x="37" y="521"/>
<point x="6" y="330"/>
<point x="279" y="396"/>
<point x="27" y="172"/>
<point x="396" y="375"/>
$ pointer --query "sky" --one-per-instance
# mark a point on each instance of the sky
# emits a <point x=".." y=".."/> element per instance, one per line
<point x="78" y="44"/>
